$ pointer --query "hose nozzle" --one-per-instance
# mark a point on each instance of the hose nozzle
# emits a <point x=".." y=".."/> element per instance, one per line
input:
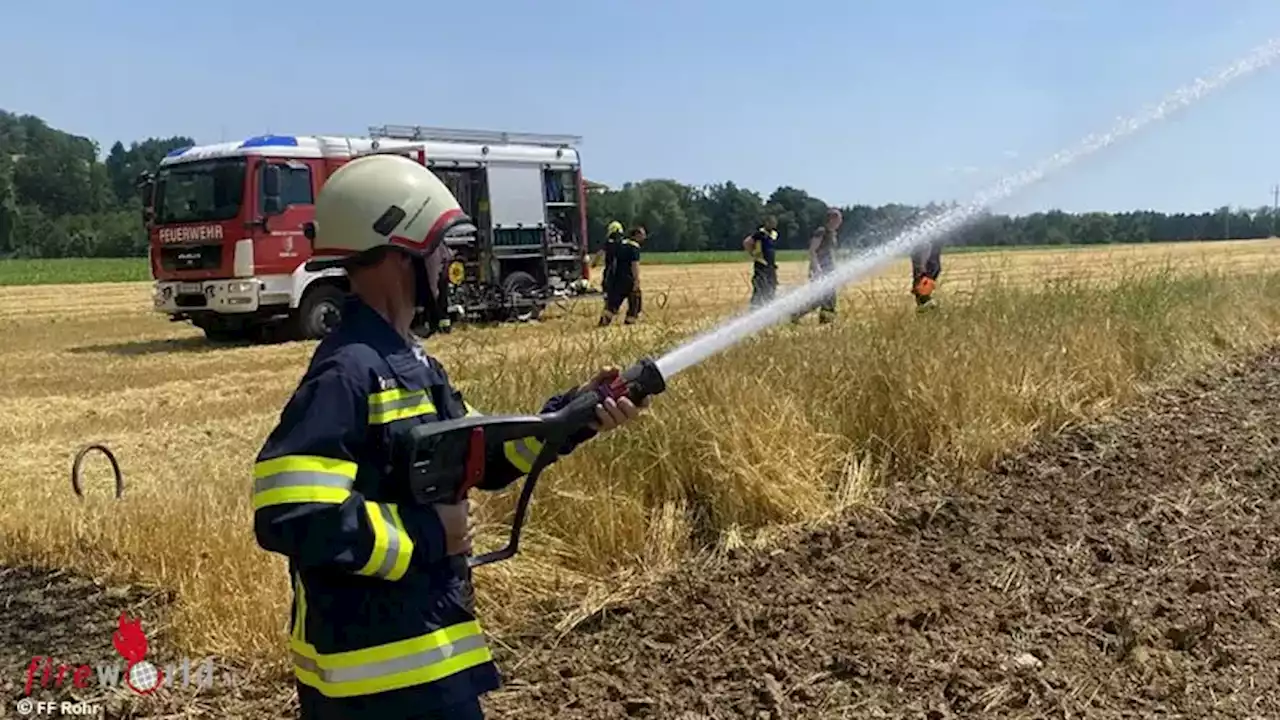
<point x="639" y="381"/>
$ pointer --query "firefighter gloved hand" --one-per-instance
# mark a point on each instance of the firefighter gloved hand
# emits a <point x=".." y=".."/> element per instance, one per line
<point x="611" y="414"/>
<point x="456" y="519"/>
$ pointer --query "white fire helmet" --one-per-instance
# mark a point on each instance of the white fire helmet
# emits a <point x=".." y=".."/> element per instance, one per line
<point x="381" y="200"/>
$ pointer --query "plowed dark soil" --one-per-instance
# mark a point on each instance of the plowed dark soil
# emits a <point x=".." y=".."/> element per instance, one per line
<point x="1128" y="569"/>
<point x="1125" y="570"/>
<point x="70" y="620"/>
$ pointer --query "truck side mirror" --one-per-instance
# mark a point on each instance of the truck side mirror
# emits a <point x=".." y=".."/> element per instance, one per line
<point x="271" y="189"/>
<point x="144" y="185"/>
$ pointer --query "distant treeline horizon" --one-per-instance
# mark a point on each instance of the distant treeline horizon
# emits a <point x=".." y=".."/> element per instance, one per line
<point x="57" y="199"/>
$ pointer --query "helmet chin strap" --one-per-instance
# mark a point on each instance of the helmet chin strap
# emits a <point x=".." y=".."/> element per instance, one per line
<point x="426" y="296"/>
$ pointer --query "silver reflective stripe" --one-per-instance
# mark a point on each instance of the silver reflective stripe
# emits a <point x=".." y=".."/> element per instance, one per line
<point x="526" y="452"/>
<point x="301" y="478"/>
<point x="383" y="668"/>
<point x="393" y="542"/>
<point x="380" y="406"/>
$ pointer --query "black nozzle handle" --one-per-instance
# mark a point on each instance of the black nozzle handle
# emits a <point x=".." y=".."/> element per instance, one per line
<point x="636" y="383"/>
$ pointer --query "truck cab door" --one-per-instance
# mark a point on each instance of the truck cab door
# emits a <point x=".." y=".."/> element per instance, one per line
<point x="286" y="201"/>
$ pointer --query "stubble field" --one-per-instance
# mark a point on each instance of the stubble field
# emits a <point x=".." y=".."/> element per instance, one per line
<point x="796" y="427"/>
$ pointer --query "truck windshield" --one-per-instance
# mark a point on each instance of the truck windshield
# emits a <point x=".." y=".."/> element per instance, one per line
<point x="202" y="191"/>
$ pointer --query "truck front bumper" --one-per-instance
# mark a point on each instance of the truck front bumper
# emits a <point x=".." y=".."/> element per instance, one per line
<point x="236" y="296"/>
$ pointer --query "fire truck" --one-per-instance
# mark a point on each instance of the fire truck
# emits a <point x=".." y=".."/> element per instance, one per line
<point x="227" y="249"/>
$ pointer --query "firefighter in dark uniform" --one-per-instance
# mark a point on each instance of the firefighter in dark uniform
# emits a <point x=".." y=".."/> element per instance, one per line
<point x="445" y="283"/>
<point x="624" y="282"/>
<point x="822" y="249"/>
<point x="612" y="239"/>
<point x="926" y="266"/>
<point x="382" y="624"/>
<point x="762" y="247"/>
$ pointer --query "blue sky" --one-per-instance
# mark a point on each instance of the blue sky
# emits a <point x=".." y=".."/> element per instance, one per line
<point x="872" y="102"/>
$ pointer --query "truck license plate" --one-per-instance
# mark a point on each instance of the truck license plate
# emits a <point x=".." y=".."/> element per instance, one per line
<point x="189" y="288"/>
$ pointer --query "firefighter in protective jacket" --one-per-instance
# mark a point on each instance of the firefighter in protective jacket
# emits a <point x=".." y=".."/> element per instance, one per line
<point x="926" y="266"/>
<point x="761" y="246"/>
<point x="613" y="238"/>
<point x="382" y="622"/>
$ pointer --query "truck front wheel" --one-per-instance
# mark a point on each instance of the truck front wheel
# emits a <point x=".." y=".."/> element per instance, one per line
<point x="319" y="312"/>
<point x="225" y="334"/>
<point x="222" y="330"/>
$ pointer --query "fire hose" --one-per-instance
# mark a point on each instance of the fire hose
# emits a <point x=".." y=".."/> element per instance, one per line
<point x="77" y="466"/>
<point x="568" y="304"/>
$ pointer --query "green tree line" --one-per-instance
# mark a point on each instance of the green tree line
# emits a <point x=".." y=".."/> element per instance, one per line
<point x="717" y="217"/>
<point x="58" y="199"/>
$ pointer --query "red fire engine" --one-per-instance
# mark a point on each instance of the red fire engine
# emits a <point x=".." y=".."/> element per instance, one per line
<point x="227" y="248"/>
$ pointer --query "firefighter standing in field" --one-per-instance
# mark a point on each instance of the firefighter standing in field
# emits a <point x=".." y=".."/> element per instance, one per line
<point x="822" y="250"/>
<point x="624" y="282"/>
<point x="382" y="624"/>
<point x="926" y="266"/>
<point x="613" y="237"/>
<point x="445" y="284"/>
<point x="762" y="247"/>
<point x="444" y="324"/>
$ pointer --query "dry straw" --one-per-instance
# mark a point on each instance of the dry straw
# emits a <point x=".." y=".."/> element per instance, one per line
<point x="787" y="428"/>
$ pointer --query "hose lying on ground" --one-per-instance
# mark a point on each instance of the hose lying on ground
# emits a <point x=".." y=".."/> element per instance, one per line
<point x="77" y="466"/>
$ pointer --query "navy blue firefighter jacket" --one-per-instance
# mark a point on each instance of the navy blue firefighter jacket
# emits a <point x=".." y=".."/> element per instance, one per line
<point x="382" y="623"/>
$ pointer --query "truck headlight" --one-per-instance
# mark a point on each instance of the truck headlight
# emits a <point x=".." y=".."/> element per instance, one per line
<point x="239" y="287"/>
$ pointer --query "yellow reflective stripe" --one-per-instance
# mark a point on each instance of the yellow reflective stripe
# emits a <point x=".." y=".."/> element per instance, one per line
<point x="522" y="453"/>
<point x="392" y="546"/>
<point x="379" y="550"/>
<point x="426" y="408"/>
<point x="304" y="463"/>
<point x="392" y="650"/>
<point x="404" y="552"/>
<point x="302" y="478"/>
<point x="285" y="496"/>
<point x="391" y="405"/>
<point x="390" y="395"/>
<point x="392" y="666"/>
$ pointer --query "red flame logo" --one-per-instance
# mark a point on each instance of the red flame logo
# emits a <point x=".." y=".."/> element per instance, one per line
<point x="129" y="640"/>
<point x="131" y="643"/>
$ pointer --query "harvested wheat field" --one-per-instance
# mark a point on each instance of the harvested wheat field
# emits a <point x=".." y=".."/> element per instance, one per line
<point x="694" y="521"/>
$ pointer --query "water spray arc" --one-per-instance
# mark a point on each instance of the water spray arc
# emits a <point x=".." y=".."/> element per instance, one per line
<point x="937" y="225"/>
<point x="443" y="461"/>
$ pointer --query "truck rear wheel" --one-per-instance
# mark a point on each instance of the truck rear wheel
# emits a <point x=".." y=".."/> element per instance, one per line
<point x="319" y="312"/>
<point x="521" y="285"/>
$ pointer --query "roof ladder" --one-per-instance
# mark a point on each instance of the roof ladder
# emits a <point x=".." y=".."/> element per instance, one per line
<point x="480" y="137"/>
